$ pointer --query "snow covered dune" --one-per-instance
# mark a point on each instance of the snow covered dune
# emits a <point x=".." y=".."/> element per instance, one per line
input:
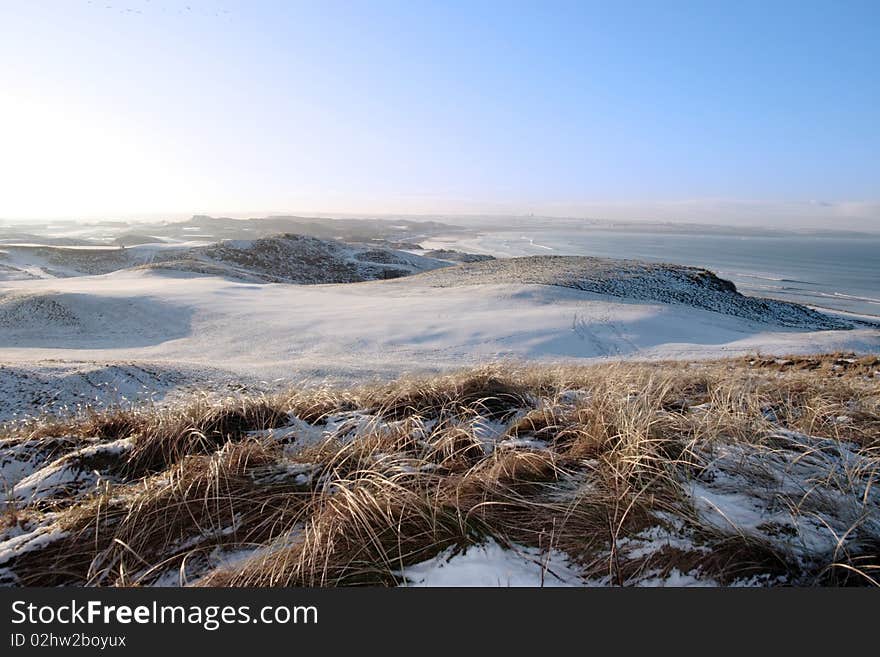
<point x="45" y="318"/>
<point x="307" y="260"/>
<point x="284" y="258"/>
<point x="224" y="332"/>
<point x="633" y="279"/>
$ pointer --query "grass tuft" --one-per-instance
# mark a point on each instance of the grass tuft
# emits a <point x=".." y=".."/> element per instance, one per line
<point x="748" y="471"/>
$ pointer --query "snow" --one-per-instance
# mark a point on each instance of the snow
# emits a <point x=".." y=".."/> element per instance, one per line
<point x="21" y="459"/>
<point x="490" y="564"/>
<point x="657" y="538"/>
<point x="279" y="258"/>
<point x="30" y="541"/>
<point x="803" y="505"/>
<point x="200" y="562"/>
<point x="635" y="280"/>
<point x="142" y="333"/>
<point x="70" y="475"/>
<point x="66" y="386"/>
<point x="674" y="578"/>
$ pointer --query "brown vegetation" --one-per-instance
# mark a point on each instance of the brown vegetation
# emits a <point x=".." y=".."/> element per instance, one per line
<point x="630" y="469"/>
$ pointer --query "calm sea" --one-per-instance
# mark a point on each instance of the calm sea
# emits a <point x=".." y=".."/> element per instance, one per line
<point x="830" y="272"/>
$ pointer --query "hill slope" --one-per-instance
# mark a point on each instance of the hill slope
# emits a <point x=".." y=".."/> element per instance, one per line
<point x="281" y="258"/>
<point x="637" y="280"/>
<point x="299" y="259"/>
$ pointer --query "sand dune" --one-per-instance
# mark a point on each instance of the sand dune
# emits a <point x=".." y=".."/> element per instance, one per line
<point x="216" y="328"/>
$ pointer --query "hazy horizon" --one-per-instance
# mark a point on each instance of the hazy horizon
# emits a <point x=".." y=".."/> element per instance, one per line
<point x="750" y="216"/>
<point x="751" y="115"/>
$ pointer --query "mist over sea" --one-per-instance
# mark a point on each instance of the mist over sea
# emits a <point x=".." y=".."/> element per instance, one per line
<point x="838" y="273"/>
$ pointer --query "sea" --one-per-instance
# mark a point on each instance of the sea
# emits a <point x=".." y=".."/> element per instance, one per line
<point x="829" y="272"/>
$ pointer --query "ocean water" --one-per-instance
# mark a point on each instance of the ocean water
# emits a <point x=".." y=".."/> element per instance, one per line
<point x="836" y="273"/>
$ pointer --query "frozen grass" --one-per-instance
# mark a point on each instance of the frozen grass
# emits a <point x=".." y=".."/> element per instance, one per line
<point x="747" y="472"/>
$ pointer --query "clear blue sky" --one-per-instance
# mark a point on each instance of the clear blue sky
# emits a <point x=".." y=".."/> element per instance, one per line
<point x="119" y="107"/>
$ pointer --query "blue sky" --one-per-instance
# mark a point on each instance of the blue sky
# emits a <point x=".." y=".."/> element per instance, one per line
<point x="753" y="112"/>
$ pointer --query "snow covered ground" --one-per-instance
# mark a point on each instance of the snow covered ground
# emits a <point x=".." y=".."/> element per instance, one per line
<point x="138" y="333"/>
<point x="84" y="327"/>
<point x="278" y="259"/>
<point x="490" y="564"/>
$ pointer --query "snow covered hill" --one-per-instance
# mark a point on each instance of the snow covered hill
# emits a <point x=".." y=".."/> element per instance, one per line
<point x="281" y="258"/>
<point x="633" y="279"/>
<point x="223" y="331"/>
<point x="308" y="260"/>
<point x="81" y="325"/>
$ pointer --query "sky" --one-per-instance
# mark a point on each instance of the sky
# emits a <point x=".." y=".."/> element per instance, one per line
<point x="762" y="113"/>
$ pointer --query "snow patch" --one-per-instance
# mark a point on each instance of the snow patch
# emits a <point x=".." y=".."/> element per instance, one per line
<point x="810" y="497"/>
<point x="490" y="564"/>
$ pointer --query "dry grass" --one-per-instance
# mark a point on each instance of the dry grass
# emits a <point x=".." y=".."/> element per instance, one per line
<point x="329" y="487"/>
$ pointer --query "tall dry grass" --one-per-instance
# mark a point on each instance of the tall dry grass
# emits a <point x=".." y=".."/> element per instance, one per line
<point x="370" y="480"/>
